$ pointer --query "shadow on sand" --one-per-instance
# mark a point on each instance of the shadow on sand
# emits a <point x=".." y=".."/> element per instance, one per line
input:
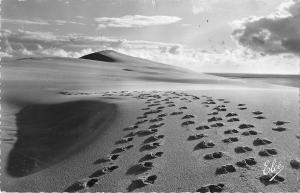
<point x="48" y="133"/>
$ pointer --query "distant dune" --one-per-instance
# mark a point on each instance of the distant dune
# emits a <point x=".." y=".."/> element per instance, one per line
<point x="279" y="79"/>
<point x="108" y="122"/>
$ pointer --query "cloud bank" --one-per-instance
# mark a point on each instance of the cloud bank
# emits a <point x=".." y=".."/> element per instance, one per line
<point x="21" y="43"/>
<point x="276" y="33"/>
<point x="37" y="22"/>
<point x="129" y="21"/>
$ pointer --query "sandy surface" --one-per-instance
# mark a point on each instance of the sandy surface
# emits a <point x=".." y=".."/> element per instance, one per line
<point x="82" y="125"/>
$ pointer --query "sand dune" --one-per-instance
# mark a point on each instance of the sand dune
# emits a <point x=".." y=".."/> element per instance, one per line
<point x="110" y="122"/>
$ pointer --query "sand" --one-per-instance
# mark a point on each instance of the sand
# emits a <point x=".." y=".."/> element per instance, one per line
<point x="127" y="124"/>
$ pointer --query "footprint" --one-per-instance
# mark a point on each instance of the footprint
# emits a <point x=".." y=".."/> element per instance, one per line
<point x="124" y="140"/>
<point x="121" y="149"/>
<point x="220" y="99"/>
<point x="220" y="109"/>
<point x="230" y="140"/>
<point x="246" y="126"/>
<point x="220" y="106"/>
<point x="257" y="112"/>
<point x="140" y="168"/>
<point x="152" y="105"/>
<point x="169" y="102"/>
<point x="92" y="182"/>
<point x="233" y="119"/>
<point x="82" y="184"/>
<point x="140" y="122"/>
<point x="131" y="128"/>
<point x="151" y="156"/>
<point x="267" y="152"/>
<point x="211" y="188"/>
<point x="259" y="117"/>
<point x="146" y="132"/>
<point x="156" y="126"/>
<point x="242" y="149"/>
<point x="171" y="105"/>
<point x="231" y="131"/>
<point x="214" y="155"/>
<point x="186" y="123"/>
<point x="176" y="113"/>
<point x="156" y="120"/>
<point x="246" y="163"/>
<point x="104" y="171"/>
<point x="150" y="146"/>
<point x="107" y="159"/>
<point x="214" y="119"/>
<point x="225" y="169"/>
<point x="153" y="138"/>
<point x="217" y="125"/>
<point x="279" y="129"/>
<point x="259" y="141"/>
<point x="141" y="182"/>
<point x="242" y="108"/>
<point x="161" y="107"/>
<point x="152" y="112"/>
<point x="226" y="102"/>
<point x="213" y="113"/>
<point x="203" y="127"/>
<point x="231" y="115"/>
<point x="204" y="145"/>
<point x="209" y="103"/>
<point x="250" y="132"/>
<point x="241" y="105"/>
<point x="182" y="108"/>
<point x="162" y="115"/>
<point x="295" y="164"/>
<point x="188" y="117"/>
<point x="265" y="179"/>
<point x="196" y="137"/>
<point x="279" y="123"/>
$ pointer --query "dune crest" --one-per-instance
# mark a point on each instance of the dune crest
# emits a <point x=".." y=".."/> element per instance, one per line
<point x="100" y="56"/>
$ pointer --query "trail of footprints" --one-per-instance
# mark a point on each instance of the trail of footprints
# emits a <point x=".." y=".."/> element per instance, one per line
<point x="156" y="102"/>
<point x="220" y="116"/>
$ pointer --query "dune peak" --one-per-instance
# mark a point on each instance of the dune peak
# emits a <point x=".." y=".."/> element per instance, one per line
<point x="104" y="56"/>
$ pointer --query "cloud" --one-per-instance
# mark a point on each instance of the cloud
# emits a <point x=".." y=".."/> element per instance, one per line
<point x="23" y="22"/>
<point x="276" y="33"/>
<point x="38" y="22"/>
<point x="199" y="6"/>
<point x="23" y="43"/>
<point x="129" y="21"/>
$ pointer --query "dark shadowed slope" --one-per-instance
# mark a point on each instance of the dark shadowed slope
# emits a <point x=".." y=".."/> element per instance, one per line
<point x="99" y="56"/>
<point x="48" y="133"/>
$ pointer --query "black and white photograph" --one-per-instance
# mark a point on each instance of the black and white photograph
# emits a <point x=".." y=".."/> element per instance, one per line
<point x="150" y="96"/>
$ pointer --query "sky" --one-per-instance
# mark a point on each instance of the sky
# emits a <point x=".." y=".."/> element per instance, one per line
<point x="234" y="36"/>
